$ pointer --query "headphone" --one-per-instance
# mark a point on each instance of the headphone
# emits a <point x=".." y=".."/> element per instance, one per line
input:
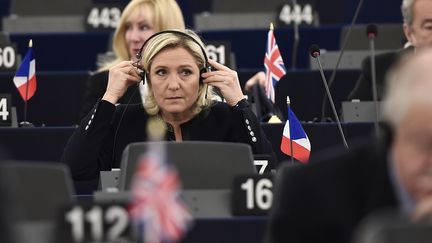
<point x="144" y="74"/>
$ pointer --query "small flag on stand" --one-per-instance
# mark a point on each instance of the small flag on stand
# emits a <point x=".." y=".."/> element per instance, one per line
<point x="274" y="65"/>
<point x="25" y="81"/>
<point x="25" y="77"/>
<point x="295" y="142"/>
<point x="156" y="208"/>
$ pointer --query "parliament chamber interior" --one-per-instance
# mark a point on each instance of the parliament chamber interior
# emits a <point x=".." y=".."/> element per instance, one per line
<point x="70" y="38"/>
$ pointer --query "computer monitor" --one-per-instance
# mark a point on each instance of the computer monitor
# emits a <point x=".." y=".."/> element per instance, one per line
<point x="201" y="165"/>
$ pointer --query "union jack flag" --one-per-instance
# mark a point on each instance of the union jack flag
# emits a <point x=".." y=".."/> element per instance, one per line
<point x="274" y="65"/>
<point x="156" y="206"/>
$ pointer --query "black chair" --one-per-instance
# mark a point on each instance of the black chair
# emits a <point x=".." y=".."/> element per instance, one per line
<point x="200" y="164"/>
<point x="33" y="194"/>
<point x="206" y="170"/>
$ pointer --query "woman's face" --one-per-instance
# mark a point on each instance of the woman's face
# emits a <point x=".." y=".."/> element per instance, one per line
<point x="139" y="27"/>
<point x="174" y="75"/>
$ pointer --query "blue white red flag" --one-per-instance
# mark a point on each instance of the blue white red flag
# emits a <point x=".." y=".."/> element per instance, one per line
<point x="274" y="65"/>
<point x="294" y="134"/>
<point x="25" y="77"/>
<point x="156" y="204"/>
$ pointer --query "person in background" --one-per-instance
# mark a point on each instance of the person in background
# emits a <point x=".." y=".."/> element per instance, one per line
<point x="417" y="27"/>
<point x="180" y="93"/>
<point x="325" y="200"/>
<point x="259" y="78"/>
<point x="139" y="20"/>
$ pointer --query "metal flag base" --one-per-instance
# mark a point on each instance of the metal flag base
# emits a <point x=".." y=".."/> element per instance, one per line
<point x="26" y="124"/>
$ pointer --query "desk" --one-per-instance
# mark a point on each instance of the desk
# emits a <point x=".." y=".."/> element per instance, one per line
<point x="321" y="135"/>
<point x="229" y="230"/>
<point x="247" y="229"/>
<point x="47" y="143"/>
<point x="39" y="143"/>
<point x="57" y="101"/>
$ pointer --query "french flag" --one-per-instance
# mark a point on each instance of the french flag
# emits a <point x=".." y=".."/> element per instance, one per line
<point x="294" y="134"/>
<point x="25" y="77"/>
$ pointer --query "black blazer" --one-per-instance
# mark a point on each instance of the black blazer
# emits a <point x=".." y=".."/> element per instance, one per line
<point x="324" y="201"/>
<point x="97" y="144"/>
<point x="383" y="63"/>
<point x="95" y="89"/>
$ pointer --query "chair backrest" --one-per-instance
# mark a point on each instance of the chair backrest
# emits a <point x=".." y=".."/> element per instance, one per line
<point x="228" y="6"/>
<point x="49" y="7"/>
<point x="35" y="190"/>
<point x="200" y="164"/>
<point x="390" y="37"/>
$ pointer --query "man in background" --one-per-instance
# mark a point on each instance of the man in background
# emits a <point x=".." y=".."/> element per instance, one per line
<point x="417" y="27"/>
<point x="324" y="201"/>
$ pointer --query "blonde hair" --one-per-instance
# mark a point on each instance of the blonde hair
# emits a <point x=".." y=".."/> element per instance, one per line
<point x="166" y="15"/>
<point x="170" y="40"/>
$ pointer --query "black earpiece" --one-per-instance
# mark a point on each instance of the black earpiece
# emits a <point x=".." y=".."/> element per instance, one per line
<point x="144" y="75"/>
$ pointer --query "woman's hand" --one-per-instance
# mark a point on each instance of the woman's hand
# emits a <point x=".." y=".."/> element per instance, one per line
<point x="121" y="76"/>
<point x="226" y="80"/>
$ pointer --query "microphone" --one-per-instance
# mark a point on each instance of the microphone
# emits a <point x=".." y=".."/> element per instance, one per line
<point x="372" y="32"/>
<point x="314" y="51"/>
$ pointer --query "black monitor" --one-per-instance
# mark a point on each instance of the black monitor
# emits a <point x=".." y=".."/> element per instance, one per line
<point x="200" y="164"/>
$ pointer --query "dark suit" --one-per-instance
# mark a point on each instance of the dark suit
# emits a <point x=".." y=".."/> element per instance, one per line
<point x="383" y="63"/>
<point x="95" y="89"/>
<point x="324" y="201"/>
<point x="97" y="144"/>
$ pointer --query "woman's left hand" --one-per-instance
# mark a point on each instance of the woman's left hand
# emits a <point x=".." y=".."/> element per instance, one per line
<point x="226" y="80"/>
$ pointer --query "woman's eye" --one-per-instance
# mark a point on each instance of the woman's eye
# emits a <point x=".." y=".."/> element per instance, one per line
<point x="186" y="72"/>
<point x="144" y="27"/>
<point x="160" y="72"/>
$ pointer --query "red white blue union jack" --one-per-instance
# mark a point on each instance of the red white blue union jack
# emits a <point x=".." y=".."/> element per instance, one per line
<point x="156" y="203"/>
<point x="274" y="65"/>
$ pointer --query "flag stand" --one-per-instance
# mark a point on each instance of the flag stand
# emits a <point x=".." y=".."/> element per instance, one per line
<point x="288" y="120"/>
<point x="25" y="123"/>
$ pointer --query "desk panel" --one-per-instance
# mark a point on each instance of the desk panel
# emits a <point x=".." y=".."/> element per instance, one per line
<point x="229" y="230"/>
<point x="40" y="143"/>
<point x="321" y="135"/>
<point x="47" y="143"/>
<point x="57" y="101"/>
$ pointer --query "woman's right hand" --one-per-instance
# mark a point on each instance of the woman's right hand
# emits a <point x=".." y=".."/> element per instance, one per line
<point x="121" y="76"/>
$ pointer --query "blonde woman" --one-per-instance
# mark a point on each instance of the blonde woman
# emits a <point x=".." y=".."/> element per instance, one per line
<point x="175" y="67"/>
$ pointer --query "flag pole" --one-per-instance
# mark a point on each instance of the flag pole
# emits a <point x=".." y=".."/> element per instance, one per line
<point x="291" y="138"/>
<point x="25" y="123"/>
